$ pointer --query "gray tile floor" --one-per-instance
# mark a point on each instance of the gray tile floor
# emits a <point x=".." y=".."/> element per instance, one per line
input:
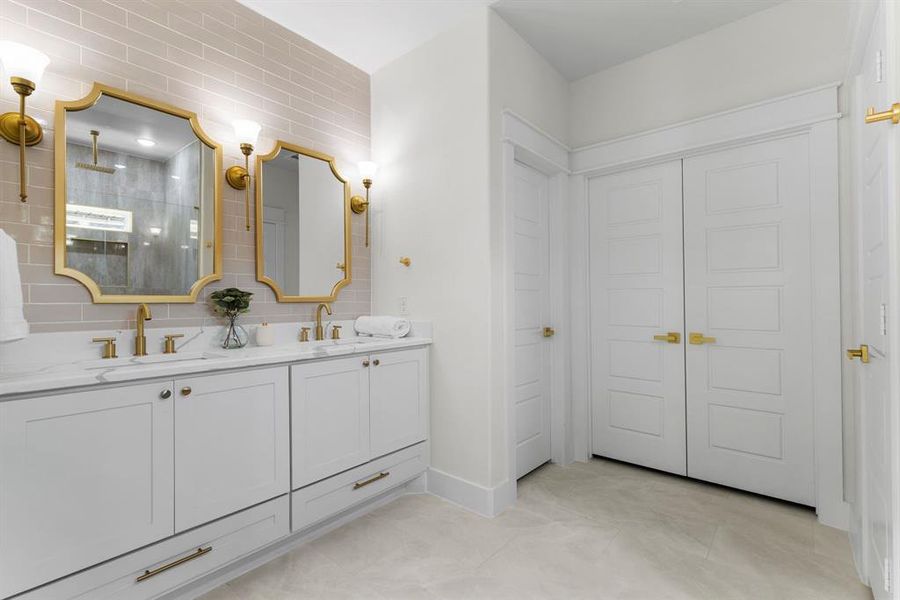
<point x="600" y="530"/>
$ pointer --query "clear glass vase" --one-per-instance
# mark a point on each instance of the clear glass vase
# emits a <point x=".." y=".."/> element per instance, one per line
<point x="235" y="335"/>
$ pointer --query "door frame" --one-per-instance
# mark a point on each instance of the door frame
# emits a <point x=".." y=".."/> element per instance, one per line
<point x="812" y="112"/>
<point x="527" y="144"/>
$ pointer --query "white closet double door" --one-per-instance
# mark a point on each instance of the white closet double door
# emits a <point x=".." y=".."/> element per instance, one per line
<point x="701" y="327"/>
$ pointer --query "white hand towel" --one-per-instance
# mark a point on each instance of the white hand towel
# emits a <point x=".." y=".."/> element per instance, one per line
<point x="13" y="325"/>
<point x="391" y="327"/>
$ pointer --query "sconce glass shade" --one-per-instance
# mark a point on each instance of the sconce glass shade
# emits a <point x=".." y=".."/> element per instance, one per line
<point x="23" y="61"/>
<point x="367" y="169"/>
<point x="246" y="131"/>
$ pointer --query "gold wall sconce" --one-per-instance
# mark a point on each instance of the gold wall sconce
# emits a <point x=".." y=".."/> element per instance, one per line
<point x="25" y="67"/>
<point x="892" y="114"/>
<point x="247" y="133"/>
<point x="358" y="204"/>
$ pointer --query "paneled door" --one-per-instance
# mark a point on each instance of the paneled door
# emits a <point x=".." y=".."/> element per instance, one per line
<point x="532" y="314"/>
<point x="232" y="445"/>
<point x="637" y="362"/>
<point x="84" y="477"/>
<point x="398" y="399"/>
<point x="876" y="431"/>
<point x="329" y="418"/>
<point x="749" y="318"/>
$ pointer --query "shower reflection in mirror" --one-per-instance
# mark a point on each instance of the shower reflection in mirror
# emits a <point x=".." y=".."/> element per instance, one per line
<point x="139" y="199"/>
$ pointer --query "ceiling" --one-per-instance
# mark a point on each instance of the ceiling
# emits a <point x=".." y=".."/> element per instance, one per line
<point x="367" y="33"/>
<point x="578" y="37"/>
<point x="583" y="37"/>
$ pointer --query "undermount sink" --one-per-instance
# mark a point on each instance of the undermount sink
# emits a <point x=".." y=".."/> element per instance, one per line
<point x="152" y="359"/>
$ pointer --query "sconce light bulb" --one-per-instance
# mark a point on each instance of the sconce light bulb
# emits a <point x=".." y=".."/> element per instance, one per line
<point x="367" y="170"/>
<point x="246" y="131"/>
<point x="23" y="62"/>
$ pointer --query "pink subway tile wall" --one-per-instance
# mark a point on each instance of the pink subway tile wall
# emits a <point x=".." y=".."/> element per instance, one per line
<point x="216" y="58"/>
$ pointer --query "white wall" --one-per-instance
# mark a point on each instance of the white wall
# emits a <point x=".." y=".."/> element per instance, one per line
<point x="430" y="202"/>
<point x="790" y="47"/>
<point x="523" y="82"/>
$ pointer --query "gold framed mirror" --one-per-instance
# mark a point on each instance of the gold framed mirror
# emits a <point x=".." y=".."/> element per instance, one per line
<point x="302" y="224"/>
<point x="138" y="207"/>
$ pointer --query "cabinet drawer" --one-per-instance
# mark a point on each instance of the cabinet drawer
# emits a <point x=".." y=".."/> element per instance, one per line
<point x="227" y="539"/>
<point x="326" y="498"/>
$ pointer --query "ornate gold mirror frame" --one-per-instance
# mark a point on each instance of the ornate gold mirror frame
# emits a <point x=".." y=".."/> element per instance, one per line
<point x="260" y="197"/>
<point x="59" y="223"/>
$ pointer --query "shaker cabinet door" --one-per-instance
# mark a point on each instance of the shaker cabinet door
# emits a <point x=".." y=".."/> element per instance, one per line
<point x="329" y="417"/>
<point x="398" y="396"/>
<point x="232" y="447"/>
<point x="84" y="477"/>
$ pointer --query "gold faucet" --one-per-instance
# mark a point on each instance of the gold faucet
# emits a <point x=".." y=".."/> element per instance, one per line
<point x="320" y="332"/>
<point x="140" y="340"/>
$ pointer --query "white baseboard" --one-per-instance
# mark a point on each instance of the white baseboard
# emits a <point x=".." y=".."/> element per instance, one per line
<point x="485" y="501"/>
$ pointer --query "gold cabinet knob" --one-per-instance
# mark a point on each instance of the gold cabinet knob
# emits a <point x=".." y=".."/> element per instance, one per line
<point x="862" y="353"/>
<point x="170" y="342"/>
<point x="406" y="261"/>
<point x="698" y="339"/>
<point x="109" y="349"/>
<point x="186" y="390"/>
<point x="376" y="362"/>
<point x="165" y="394"/>
<point x="549" y="332"/>
<point x="366" y="363"/>
<point x="672" y="337"/>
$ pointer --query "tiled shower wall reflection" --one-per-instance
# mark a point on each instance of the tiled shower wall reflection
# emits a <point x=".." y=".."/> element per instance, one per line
<point x="216" y="58"/>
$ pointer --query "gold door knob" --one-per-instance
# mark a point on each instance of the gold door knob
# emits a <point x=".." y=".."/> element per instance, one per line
<point x="862" y="353"/>
<point x="698" y="338"/>
<point x="892" y="114"/>
<point x="672" y="337"/>
<point x="549" y="332"/>
<point x="186" y="390"/>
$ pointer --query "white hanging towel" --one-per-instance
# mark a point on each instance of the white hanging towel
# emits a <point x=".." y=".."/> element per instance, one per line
<point x="13" y="325"/>
<point x="388" y="327"/>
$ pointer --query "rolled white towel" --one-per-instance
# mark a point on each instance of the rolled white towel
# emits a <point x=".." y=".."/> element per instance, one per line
<point x="391" y="327"/>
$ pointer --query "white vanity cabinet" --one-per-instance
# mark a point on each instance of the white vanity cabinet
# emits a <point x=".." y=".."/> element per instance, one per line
<point x="344" y="412"/>
<point x="398" y="392"/>
<point x="329" y="417"/>
<point x="84" y="477"/>
<point x="232" y="447"/>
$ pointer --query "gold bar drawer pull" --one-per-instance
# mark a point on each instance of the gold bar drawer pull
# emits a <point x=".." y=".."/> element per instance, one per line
<point x="373" y="479"/>
<point x="197" y="554"/>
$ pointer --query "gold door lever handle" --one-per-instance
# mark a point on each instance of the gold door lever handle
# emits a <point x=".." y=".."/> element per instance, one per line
<point x="892" y="114"/>
<point x="862" y="353"/>
<point x="697" y="338"/>
<point x="672" y="337"/>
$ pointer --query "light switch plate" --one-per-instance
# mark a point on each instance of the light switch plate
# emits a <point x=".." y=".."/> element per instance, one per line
<point x="404" y="306"/>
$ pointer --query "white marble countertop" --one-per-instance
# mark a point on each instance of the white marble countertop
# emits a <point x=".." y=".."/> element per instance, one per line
<point x="36" y="377"/>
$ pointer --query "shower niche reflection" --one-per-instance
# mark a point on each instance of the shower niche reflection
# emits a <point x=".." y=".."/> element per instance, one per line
<point x="137" y="215"/>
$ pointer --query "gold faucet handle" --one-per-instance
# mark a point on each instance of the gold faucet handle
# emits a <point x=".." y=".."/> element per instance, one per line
<point x="170" y="342"/>
<point x="304" y="334"/>
<point x="109" y="350"/>
<point x="335" y="332"/>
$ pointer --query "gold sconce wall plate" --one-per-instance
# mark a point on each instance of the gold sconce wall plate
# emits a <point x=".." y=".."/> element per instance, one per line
<point x="236" y="177"/>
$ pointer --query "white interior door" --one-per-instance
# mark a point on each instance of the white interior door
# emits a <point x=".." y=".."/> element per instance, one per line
<point x="748" y="293"/>
<point x="875" y="408"/>
<point x="637" y="381"/>
<point x="532" y="314"/>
